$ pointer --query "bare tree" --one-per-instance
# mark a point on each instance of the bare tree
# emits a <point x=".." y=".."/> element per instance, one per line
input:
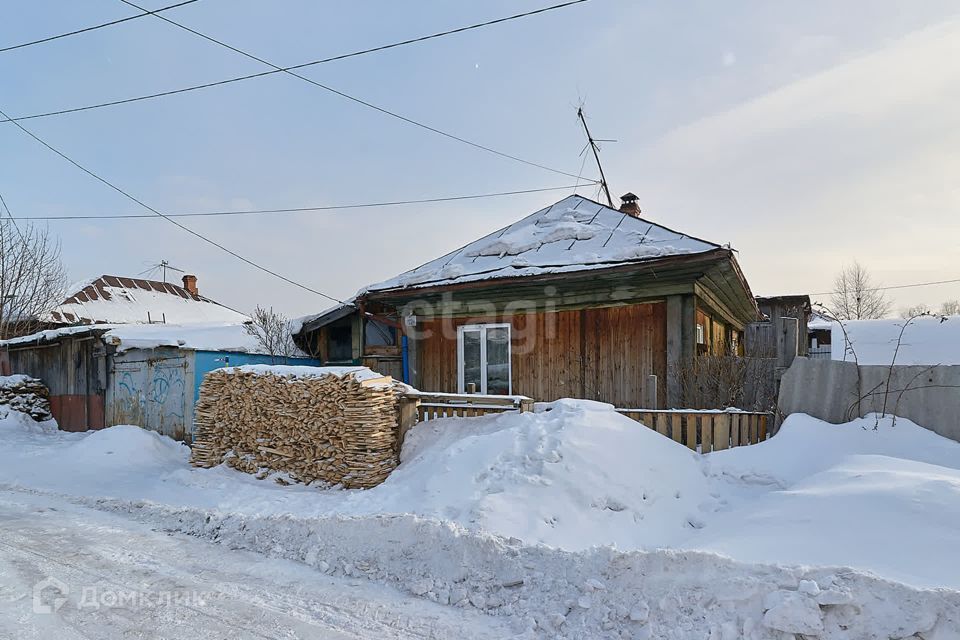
<point x="272" y="331"/>
<point x="915" y="311"/>
<point x="856" y="297"/>
<point x="32" y="278"/>
<point x="950" y="308"/>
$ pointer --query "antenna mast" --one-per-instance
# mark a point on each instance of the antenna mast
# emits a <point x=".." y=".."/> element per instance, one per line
<point x="596" y="155"/>
<point x="162" y="265"/>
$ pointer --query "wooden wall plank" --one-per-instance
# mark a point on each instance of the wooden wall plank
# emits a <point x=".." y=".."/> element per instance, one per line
<point x="722" y="432"/>
<point x="706" y="433"/>
<point x="663" y="426"/>
<point x="677" y="420"/>
<point x="691" y="420"/>
<point x="734" y="429"/>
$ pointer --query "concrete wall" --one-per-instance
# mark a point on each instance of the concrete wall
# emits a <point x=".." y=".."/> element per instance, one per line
<point x="828" y="389"/>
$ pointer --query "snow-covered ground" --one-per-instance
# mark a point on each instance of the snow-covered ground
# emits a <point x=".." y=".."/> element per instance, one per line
<point x="518" y="515"/>
<point x="121" y="579"/>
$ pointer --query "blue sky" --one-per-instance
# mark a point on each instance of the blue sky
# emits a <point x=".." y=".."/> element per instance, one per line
<point x="807" y="135"/>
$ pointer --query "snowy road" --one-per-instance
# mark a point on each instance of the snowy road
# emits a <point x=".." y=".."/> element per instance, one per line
<point x="120" y="579"/>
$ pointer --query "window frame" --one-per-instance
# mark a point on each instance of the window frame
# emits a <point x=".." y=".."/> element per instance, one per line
<point x="482" y="328"/>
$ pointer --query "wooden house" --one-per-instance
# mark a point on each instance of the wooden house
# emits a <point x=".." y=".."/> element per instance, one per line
<point x="764" y="340"/>
<point x="575" y="300"/>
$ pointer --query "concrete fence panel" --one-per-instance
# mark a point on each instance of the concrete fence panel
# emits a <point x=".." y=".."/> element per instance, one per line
<point x="830" y="390"/>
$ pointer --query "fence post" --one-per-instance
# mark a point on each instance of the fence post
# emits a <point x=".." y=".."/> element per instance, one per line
<point x="408" y="414"/>
<point x="650" y="393"/>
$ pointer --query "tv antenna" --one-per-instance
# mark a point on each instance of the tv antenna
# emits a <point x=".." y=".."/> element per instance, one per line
<point x="592" y="143"/>
<point x="162" y="266"/>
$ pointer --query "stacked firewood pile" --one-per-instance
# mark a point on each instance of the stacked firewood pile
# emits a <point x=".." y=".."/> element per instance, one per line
<point x="27" y="395"/>
<point x="322" y="427"/>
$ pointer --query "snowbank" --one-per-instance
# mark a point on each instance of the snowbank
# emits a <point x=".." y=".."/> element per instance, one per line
<point x="126" y="446"/>
<point x="925" y="341"/>
<point x="805" y="446"/>
<point x="572" y="479"/>
<point x="884" y="500"/>
<point x="548" y="593"/>
<point x="574" y="476"/>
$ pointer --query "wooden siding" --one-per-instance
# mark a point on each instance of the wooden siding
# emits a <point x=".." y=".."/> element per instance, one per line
<point x="75" y="375"/>
<point x="601" y="354"/>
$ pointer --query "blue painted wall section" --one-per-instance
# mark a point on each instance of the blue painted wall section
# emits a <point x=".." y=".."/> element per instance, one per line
<point x="207" y="361"/>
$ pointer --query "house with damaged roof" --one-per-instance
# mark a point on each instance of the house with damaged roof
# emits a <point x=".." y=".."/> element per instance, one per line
<point x="575" y="300"/>
<point x="123" y="350"/>
<point x="120" y="300"/>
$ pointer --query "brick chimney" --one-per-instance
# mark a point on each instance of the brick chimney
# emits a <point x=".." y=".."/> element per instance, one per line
<point x="629" y="205"/>
<point x="190" y="284"/>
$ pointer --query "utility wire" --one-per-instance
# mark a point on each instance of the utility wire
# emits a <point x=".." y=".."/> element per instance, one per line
<point x="289" y="71"/>
<point x="95" y="27"/>
<point x="365" y="205"/>
<point x="899" y="286"/>
<point x="23" y="238"/>
<point x="167" y="218"/>
<point x="359" y="101"/>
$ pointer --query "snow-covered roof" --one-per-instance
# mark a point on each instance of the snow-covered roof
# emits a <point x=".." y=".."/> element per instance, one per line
<point x="818" y="322"/>
<point x="197" y="336"/>
<point x="574" y="234"/>
<point x="925" y="341"/>
<point x="119" y="300"/>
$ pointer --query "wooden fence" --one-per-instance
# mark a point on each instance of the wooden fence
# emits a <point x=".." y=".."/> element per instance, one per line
<point x="705" y="431"/>
<point x="700" y="430"/>
<point x="420" y="407"/>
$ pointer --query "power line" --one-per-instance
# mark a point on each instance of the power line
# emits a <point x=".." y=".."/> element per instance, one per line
<point x="289" y="71"/>
<point x="369" y="105"/>
<point x="167" y="218"/>
<point x="13" y="220"/>
<point x="95" y="27"/>
<point x="899" y="286"/>
<point x="365" y="205"/>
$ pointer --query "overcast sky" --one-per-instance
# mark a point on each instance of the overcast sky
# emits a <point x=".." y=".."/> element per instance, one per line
<point x="805" y="134"/>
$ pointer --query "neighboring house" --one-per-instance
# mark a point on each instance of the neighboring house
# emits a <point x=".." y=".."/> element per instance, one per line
<point x="147" y="375"/>
<point x="820" y="336"/>
<point x="119" y="300"/>
<point x="764" y="339"/>
<point x="576" y="300"/>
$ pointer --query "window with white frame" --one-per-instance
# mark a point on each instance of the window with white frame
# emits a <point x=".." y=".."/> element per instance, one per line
<point x="483" y="358"/>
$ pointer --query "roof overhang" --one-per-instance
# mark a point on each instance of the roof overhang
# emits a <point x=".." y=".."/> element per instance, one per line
<point x="322" y="320"/>
<point x="654" y="266"/>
